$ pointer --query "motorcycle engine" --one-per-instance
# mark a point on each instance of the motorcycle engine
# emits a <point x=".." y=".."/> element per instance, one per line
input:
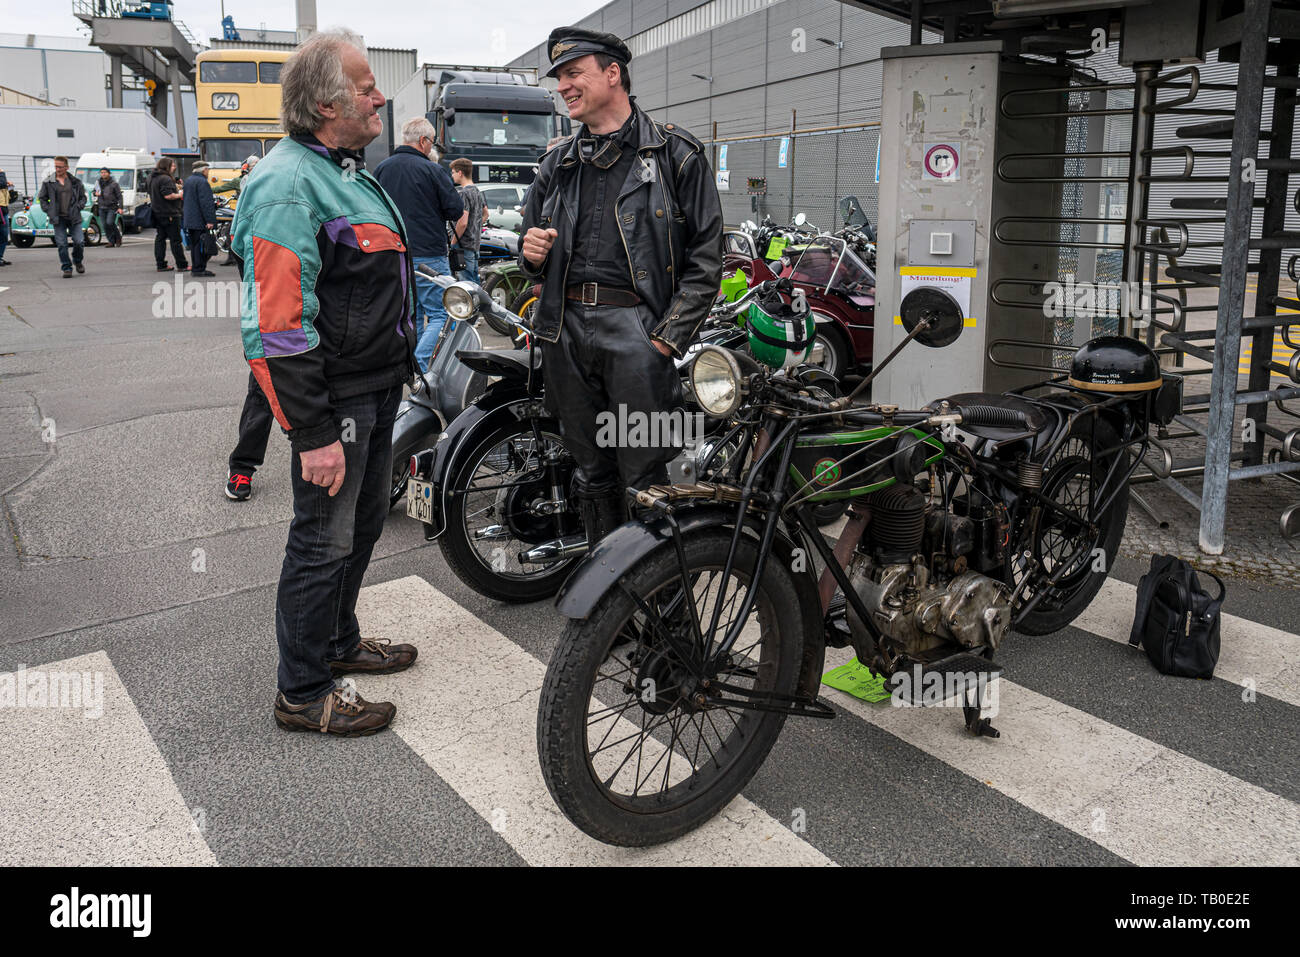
<point x="910" y="572"/>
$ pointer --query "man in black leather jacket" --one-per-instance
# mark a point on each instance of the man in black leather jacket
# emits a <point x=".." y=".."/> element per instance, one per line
<point x="623" y="229"/>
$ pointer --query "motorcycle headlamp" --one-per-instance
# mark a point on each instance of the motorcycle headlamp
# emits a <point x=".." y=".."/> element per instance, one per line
<point x="716" y="381"/>
<point x="458" y="301"/>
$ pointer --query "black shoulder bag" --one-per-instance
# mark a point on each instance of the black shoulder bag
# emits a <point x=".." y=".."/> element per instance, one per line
<point x="455" y="254"/>
<point x="1176" y="620"/>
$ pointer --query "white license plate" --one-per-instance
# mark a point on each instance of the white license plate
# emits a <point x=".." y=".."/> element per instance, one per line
<point x="419" y="501"/>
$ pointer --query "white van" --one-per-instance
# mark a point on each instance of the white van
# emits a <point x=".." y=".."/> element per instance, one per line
<point x="131" y="169"/>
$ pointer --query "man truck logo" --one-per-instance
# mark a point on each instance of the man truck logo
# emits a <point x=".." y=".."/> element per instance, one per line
<point x="560" y="49"/>
<point x="826" y="472"/>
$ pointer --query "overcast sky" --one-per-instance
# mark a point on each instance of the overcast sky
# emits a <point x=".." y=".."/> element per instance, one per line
<point x="442" y="32"/>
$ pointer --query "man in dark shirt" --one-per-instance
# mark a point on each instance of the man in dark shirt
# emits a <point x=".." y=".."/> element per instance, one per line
<point x="62" y="199"/>
<point x="423" y="193"/>
<point x="199" y="216"/>
<point x="108" y="204"/>
<point x="462" y="172"/>
<point x="623" y="227"/>
<point x="165" y="198"/>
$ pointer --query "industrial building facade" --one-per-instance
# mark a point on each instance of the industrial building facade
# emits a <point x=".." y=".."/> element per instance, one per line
<point x="784" y="91"/>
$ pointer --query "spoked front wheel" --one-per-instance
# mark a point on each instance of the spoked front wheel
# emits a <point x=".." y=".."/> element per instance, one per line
<point x="501" y="504"/>
<point x="635" y="747"/>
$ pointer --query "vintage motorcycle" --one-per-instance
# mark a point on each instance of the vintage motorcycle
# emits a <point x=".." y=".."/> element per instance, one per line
<point x="692" y="635"/>
<point x="496" y="490"/>
<point x="840" y="288"/>
<point x="442" y="393"/>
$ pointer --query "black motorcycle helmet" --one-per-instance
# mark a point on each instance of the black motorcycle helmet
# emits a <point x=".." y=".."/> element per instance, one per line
<point x="1115" y="364"/>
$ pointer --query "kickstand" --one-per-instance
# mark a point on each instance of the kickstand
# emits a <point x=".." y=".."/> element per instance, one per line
<point x="980" y="727"/>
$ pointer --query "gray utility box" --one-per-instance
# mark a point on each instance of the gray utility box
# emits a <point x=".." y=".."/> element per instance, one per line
<point x="943" y="133"/>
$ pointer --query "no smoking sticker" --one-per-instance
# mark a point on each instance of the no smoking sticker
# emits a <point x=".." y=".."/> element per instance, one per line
<point x="942" y="161"/>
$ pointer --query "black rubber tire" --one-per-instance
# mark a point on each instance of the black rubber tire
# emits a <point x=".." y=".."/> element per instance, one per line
<point x="401" y="476"/>
<point x="463" y="558"/>
<point x="1044" y="619"/>
<point x="562" y="716"/>
<point x="23" y="242"/>
<point x="839" y="357"/>
<point x="92" y="234"/>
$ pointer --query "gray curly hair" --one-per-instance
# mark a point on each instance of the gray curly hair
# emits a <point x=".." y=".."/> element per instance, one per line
<point x="314" y="75"/>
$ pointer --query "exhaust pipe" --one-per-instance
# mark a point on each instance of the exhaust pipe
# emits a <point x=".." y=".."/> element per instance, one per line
<point x="554" y="550"/>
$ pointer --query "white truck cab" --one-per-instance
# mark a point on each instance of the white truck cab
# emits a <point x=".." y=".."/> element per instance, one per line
<point x="131" y="169"/>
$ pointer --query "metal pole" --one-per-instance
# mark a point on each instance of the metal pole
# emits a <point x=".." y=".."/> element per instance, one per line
<point x="1236" y="260"/>
<point x="178" y="104"/>
<point x="794" y="121"/>
<point x="115" y="81"/>
<point x="1144" y="97"/>
<point x="1273" y="221"/>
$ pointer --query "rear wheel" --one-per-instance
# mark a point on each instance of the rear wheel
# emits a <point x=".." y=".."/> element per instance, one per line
<point x="831" y="350"/>
<point x="1071" y="478"/>
<point x="633" y="747"/>
<point x="500" y="507"/>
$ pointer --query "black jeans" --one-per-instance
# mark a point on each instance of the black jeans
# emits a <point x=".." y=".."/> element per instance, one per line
<point x="330" y="541"/>
<point x="168" y="228"/>
<point x="108" y="219"/>
<point x="196" y="249"/>
<point x="254" y="429"/>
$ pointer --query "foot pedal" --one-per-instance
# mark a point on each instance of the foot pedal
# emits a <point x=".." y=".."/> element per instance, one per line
<point x="939" y="681"/>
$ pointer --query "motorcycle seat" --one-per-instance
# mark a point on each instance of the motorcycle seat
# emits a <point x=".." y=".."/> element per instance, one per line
<point x="1042" y="421"/>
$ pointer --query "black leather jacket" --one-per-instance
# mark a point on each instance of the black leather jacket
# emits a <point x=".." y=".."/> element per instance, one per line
<point x="670" y="222"/>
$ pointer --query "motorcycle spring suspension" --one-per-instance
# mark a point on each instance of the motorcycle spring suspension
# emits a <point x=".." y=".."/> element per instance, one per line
<point x="1029" y="474"/>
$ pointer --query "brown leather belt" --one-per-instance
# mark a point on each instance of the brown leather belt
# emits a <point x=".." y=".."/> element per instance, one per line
<point x="596" y="294"/>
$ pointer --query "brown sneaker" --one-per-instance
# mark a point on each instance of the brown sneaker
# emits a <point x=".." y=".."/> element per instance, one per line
<point x="376" y="656"/>
<point x="341" y="711"/>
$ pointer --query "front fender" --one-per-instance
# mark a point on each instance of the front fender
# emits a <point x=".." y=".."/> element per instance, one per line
<point x="629" y="544"/>
<point x="498" y="405"/>
<point x="416" y="427"/>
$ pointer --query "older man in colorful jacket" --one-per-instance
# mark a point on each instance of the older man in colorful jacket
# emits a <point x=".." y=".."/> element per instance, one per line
<point x="327" y="321"/>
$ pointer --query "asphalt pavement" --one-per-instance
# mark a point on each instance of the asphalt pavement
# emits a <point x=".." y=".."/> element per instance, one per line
<point x="124" y="561"/>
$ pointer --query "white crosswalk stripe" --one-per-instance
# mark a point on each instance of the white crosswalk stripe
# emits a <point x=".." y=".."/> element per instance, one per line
<point x="469" y="709"/>
<point x="1251" y="654"/>
<point x="86" y="785"/>
<point x="79" y="790"/>
<point x="1145" y="802"/>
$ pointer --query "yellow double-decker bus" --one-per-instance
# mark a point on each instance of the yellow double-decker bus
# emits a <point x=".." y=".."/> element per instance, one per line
<point x="238" y="93"/>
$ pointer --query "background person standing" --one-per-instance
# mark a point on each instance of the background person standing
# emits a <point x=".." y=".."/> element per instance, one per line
<point x="165" y="198"/>
<point x="62" y="199"/>
<point x="4" y="217"/>
<point x="462" y="173"/>
<point x="199" y="216"/>
<point x="424" y="194"/>
<point x="108" y="202"/>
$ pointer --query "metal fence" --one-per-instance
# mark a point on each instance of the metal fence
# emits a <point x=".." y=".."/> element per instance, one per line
<point x="803" y="170"/>
<point x="25" y="172"/>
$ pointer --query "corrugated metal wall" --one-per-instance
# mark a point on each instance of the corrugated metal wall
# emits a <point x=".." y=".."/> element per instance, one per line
<point x="747" y="75"/>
